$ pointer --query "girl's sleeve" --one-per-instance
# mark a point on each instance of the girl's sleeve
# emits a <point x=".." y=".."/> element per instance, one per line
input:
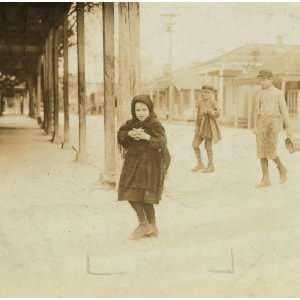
<point x="158" y="138"/>
<point x="123" y="137"/>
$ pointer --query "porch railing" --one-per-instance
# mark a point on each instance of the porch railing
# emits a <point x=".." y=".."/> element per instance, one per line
<point x="293" y="102"/>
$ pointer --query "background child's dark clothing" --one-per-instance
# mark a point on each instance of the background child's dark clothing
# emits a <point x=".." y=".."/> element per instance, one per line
<point x="206" y="125"/>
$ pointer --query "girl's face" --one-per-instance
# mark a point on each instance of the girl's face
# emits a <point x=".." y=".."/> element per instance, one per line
<point x="141" y="111"/>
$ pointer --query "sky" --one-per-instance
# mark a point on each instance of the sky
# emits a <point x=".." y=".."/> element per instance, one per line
<point x="204" y="31"/>
<point x="201" y="31"/>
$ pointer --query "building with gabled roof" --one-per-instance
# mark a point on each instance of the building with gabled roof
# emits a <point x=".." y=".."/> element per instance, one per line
<point x="232" y="75"/>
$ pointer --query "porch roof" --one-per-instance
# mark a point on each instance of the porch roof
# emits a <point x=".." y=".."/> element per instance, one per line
<point x="285" y="67"/>
<point x="24" y="28"/>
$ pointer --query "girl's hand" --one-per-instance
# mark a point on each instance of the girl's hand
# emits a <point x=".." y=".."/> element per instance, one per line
<point x="133" y="134"/>
<point x="143" y="135"/>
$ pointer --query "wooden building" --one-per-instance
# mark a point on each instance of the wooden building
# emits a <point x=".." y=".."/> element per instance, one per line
<point x="233" y="75"/>
<point x="286" y="68"/>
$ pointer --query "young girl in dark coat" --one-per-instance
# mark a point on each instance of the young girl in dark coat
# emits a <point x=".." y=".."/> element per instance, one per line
<point x="144" y="146"/>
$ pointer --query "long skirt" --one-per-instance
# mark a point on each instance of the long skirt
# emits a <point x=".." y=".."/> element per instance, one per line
<point x="267" y="131"/>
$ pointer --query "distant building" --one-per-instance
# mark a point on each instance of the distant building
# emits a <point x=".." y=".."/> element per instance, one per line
<point x="286" y="68"/>
<point x="234" y="77"/>
<point x="94" y="96"/>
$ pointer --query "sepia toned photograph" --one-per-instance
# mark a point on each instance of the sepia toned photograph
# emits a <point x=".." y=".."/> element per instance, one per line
<point x="149" y="149"/>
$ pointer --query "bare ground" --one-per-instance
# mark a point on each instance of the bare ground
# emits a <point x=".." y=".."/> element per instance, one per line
<point x="62" y="235"/>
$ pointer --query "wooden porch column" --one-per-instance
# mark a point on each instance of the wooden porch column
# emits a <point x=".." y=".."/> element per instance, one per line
<point x="171" y="96"/>
<point x="1" y="103"/>
<point x="193" y="103"/>
<point x="21" y="104"/>
<point x="28" y="83"/>
<point x="34" y="97"/>
<point x="46" y="91"/>
<point x="283" y="87"/>
<point x="82" y="153"/>
<point x="31" y="96"/>
<point x="157" y="98"/>
<point x="221" y="92"/>
<point x="55" y="137"/>
<point x="129" y="58"/>
<point x="109" y="94"/>
<point x="158" y="106"/>
<point x="129" y="63"/>
<point x="66" y="84"/>
<point x="181" y="104"/>
<point x="235" y="101"/>
<point x="42" y="94"/>
<point x="38" y="89"/>
<point x="154" y="99"/>
<point x="298" y="104"/>
<point x="50" y="83"/>
<point x="151" y="94"/>
<point x="249" y="110"/>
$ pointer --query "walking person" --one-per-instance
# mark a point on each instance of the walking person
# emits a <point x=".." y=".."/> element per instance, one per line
<point x="143" y="142"/>
<point x="207" y="128"/>
<point x="271" y="112"/>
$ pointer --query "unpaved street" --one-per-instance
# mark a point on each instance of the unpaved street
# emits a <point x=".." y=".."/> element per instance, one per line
<point x="61" y="234"/>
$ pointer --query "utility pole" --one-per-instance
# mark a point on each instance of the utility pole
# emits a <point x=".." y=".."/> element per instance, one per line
<point x="170" y="29"/>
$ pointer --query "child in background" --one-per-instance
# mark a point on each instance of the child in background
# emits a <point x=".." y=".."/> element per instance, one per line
<point x="271" y="110"/>
<point x="144" y="145"/>
<point x="207" y="128"/>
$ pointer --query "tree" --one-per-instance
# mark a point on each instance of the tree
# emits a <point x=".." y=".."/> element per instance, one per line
<point x="90" y="7"/>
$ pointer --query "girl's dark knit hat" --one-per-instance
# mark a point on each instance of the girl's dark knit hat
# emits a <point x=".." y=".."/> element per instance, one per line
<point x="145" y="99"/>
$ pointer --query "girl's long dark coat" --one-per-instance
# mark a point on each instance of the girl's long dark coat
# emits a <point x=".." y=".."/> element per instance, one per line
<point x="145" y="164"/>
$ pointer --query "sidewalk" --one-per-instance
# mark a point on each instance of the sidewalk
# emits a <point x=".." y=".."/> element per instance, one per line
<point x="61" y="235"/>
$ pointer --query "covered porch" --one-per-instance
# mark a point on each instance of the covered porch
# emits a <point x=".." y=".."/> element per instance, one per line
<point x="178" y="92"/>
<point x="36" y="41"/>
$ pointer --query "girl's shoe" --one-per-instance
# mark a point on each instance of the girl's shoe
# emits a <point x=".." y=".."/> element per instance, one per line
<point x="198" y="168"/>
<point x="264" y="183"/>
<point x="209" y="169"/>
<point x="140" y="232"/>
<point x="153" y="230"/>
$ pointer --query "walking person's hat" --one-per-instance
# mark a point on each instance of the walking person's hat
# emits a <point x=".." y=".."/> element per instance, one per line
<point x="207" y="87"/>
<point x="265" y="74"/>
